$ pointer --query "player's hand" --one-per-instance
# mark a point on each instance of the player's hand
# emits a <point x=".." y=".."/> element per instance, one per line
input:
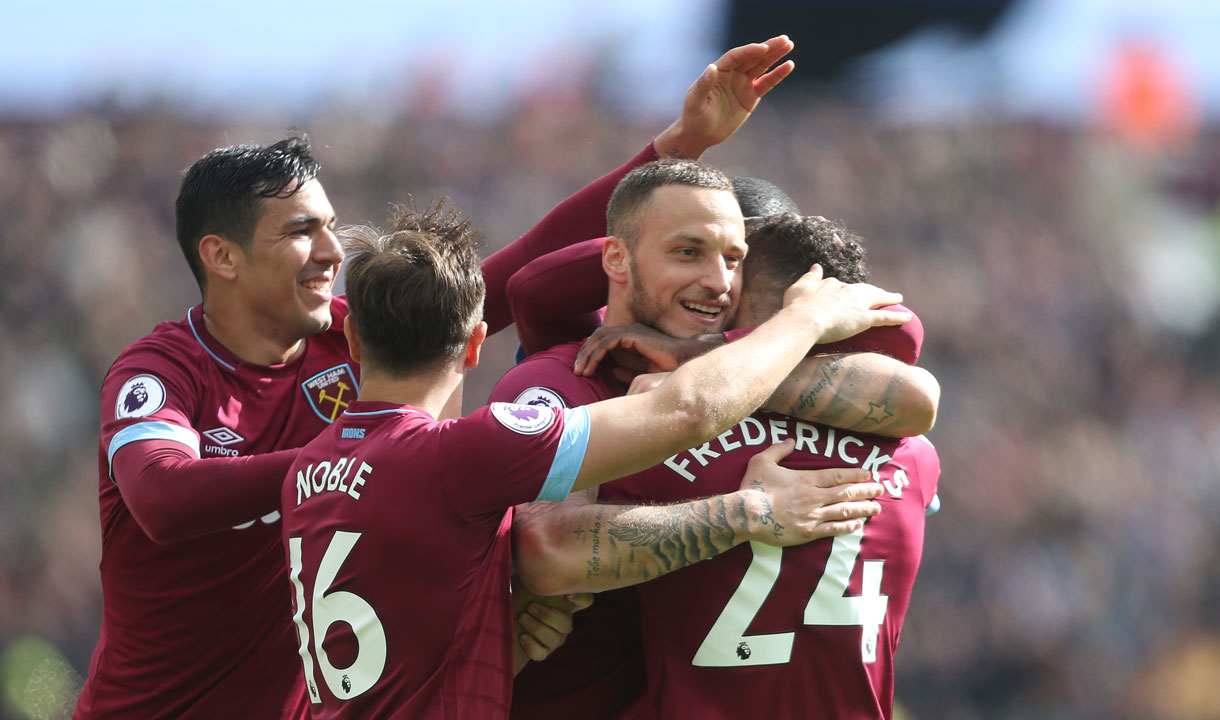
<point x="722" y="98"/>
<point x="792" y="507"/>
<point x="545" y="626"/>
<point x="841" y="310"/>
<point x="641" y="348"/>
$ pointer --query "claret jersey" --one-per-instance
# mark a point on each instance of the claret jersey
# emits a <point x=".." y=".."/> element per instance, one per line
<point x="806" y="631"/>
<point x="199" y="627"/>
<point x="397" y="529"/>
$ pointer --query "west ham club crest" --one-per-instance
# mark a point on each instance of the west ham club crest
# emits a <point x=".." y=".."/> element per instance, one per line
<point x="330" y="391"/>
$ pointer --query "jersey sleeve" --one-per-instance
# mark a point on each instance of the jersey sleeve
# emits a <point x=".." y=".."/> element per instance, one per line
<point x="509" y="454"/>
<point x="545" y="379"/>
<point x="928" y="462"/>
<point x="152" y="453"/>
<point x="557" y="298"/>
<point x="148" y="396"/>
<point x="581" y="216"/>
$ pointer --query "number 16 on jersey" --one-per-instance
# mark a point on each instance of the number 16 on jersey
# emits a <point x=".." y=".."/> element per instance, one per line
<point x="328" y="609"/>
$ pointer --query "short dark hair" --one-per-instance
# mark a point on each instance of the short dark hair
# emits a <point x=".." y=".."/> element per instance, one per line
<point x="758" y="197"/>
<point x="633" y="191"/>
<point x="415" y="290"/>
<point x="784" y="247"/>
<point x="222" y="191"/>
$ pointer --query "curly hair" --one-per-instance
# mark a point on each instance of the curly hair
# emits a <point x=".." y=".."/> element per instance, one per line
<point x="783" y="247"/>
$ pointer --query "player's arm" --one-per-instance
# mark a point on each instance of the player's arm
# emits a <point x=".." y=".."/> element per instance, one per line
<point x="715" y="106"/>
<point x="864" y="392"/>
<point x="174" y="495"/>
<point x="704" y="397"/>
<point x="555" y="298"/>
<point x="580" y="545"/>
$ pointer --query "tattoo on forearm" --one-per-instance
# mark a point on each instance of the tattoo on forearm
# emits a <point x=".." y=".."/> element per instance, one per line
<point x="595" y="560"/>
<point x="675" y="536"/>
<point x="807" y="400"/>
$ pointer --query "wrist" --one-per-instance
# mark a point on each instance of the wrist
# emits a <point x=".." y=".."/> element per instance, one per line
<point x="755" y="506"/>
<point x="673" y="142"/>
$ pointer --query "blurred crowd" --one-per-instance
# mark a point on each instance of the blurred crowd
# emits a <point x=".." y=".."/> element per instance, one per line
<point x="1067" y="281"/>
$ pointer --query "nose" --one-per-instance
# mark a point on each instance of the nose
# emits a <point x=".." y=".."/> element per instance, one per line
<point x="326" y="248"/>
<point x="719" y="279"/>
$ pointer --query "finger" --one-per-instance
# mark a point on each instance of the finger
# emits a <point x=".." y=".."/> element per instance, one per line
<point x="777" y="48"/>
<point x="778" y="451"/>
<point x="543" y="635"/>
<point x="849" y="511"/>
<point x="554" y="618"/>
<point x="831" y="477"/>
<point x="766" y="83"/>
<point x="742" y="57"/>
<point x="536" y="652"/>
<point x="852" y="492"/>
<point x="889" y="317"/>
<point x="579" y="601"/>
<point x="832" y="529"/>
<point x="592" y="352"/>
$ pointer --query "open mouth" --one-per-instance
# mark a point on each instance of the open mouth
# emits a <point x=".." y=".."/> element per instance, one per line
<point x="711" y="312"/>
<point x="319" y="285"/>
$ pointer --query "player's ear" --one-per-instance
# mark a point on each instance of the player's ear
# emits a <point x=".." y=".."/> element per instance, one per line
<point x="477" y="336"/>
<point x="616" y="259"/>
<point x="353" y="340"/>
<point x="219" y="256"/>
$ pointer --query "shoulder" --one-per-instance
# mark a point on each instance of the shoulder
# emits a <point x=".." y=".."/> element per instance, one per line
<point x="546" y="378"/>
<point x="170" y="351"/>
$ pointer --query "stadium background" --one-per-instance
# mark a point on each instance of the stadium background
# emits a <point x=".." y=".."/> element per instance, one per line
<point x="1041" y="180"/>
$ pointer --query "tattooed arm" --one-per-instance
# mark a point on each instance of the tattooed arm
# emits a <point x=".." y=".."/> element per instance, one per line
<point x="865" y="392"/>
<point x="582" y="546"/>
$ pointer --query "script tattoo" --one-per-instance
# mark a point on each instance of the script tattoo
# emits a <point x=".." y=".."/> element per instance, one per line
<point x="768" y="517"/>
<point x="595" y="561"/>
<point x="809" y="399"/>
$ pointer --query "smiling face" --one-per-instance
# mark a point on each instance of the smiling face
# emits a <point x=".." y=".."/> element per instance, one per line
<point x="683" y="274"/>
<point x="287" y="270"/>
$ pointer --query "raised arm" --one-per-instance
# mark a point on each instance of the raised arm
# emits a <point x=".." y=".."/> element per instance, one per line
<point x="707" y="395"/>
<point x="582" y="546"/>
<point x="581" y="216"/>
<point x="716" y="105"/>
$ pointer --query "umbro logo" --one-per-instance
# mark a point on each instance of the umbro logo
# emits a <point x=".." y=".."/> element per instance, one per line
<point x="222" y="436"/>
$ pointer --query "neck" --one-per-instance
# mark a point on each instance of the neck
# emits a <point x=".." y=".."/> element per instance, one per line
<point x="240" y="333"/>
<point x="617" y="308"/>
<point x="438" y="393"/>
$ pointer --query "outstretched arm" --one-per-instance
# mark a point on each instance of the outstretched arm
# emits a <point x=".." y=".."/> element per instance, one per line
<point x="582" y="546"/>
<point x="722" y="98"/>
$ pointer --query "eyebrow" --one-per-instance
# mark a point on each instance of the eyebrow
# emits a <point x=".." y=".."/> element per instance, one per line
<point x="305" y="220"/>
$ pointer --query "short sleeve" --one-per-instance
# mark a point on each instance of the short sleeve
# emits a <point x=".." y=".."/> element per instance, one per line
<point x="148" y="396"/>
<point x="506" y="454"/>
